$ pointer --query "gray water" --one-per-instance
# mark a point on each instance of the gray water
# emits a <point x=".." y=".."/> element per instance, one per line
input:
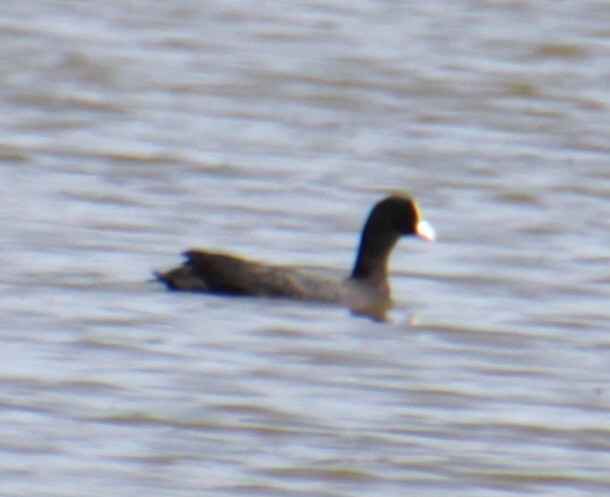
<point x="131" y="131"/>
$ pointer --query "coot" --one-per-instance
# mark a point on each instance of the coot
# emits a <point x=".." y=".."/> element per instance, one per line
<point x="366" y="291"/>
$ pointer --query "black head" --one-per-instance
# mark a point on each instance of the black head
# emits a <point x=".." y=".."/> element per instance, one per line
<point x="390" y="219"/>
<point x="401" y="215"/>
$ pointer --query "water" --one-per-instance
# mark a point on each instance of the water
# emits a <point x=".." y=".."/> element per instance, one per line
<point x="134" y="130"/>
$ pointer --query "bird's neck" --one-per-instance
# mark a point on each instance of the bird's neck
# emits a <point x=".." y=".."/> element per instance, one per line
<point x="373" y="257"/>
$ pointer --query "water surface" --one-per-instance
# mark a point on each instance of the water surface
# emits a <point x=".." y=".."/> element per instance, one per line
<point x="134" y="130"/>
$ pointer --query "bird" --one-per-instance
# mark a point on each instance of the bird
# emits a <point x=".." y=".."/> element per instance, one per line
<point x="366" y="291"/>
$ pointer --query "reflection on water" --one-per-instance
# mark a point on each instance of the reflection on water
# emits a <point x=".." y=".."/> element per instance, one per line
<point x="146" y="129"/>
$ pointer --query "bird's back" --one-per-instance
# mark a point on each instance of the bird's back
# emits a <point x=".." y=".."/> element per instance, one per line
<point x="221" y="273"/>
